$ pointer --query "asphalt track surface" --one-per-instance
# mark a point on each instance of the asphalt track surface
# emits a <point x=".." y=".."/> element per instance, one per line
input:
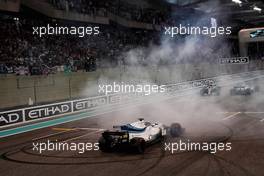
<point x="237" y="119"/>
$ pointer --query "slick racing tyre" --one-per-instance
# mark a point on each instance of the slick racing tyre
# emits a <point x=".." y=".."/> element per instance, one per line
<point x="104" y="145"/>
<point x="203" y="92"/>
<point x="139" y="145"/>
<point x="175" y="130"/>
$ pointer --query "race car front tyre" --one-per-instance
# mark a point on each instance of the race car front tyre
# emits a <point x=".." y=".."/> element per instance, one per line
<point x="175" y="130"/>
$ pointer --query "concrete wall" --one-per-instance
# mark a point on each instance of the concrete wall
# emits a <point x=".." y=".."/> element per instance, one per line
<point x="19" y="90"/>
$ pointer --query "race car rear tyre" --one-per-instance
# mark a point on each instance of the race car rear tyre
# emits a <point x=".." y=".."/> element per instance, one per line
<point x="104" y="146"/>
<point x="249" y="92"/>
<point x="175" y="130"/>
<point x="203" y="92"/>
<point x="139" y="145"/>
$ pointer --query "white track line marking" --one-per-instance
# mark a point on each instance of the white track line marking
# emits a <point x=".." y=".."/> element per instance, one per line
<point x="262" y="120"/>
<point x="225" y="112"/>
<point x="231" y="116"/>
<point x="81" y="136"/>
<point x="241" y="112"/>
<point x="253" y="112"/>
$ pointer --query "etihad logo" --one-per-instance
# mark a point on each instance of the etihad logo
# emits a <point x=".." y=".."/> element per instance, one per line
<point x="9" y="118"/>
<point x="234" y="60"/>
<point x="47" y="111"/>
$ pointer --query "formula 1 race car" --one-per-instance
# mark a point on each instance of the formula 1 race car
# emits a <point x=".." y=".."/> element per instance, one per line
<point x="242" y="90"/>
<point x="210" y="90"/>
<point x="137" y="136"/>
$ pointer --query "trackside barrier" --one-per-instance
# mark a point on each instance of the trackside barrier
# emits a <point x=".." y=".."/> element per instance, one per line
<point x="43" y="112"/>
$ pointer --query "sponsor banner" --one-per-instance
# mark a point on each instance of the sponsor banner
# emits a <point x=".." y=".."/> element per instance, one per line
<point x="47" y="111"/>
<point x="234" y="60"/>
<point x="203" y="82"/>
<point x="11" y="117"/>
<point x="89" y="103"/>
<point x="115" y="99"/>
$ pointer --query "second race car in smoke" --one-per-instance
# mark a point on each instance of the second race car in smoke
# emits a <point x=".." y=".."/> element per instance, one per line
<point x="210" y="90"/>
<point x="137" y="135"/>
<point x="243" y="90"/>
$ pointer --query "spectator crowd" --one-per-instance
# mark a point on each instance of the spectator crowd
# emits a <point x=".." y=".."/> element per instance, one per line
<point x="27" y="54"/>
<point x="120" y="8"/>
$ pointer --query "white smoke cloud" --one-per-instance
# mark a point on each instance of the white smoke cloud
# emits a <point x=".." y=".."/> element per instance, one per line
<point x="155" y="64"/>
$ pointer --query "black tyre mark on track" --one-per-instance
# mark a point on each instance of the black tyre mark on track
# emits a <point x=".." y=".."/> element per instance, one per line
<point x="30" y="141"/>
<point x="187" y="163"/>
<point x="153" y="165"/>
<point x="206" y="170"/>
<point x="239" y="167"/>
<point x="222" y="169"/>
<point x="8" y="156"/>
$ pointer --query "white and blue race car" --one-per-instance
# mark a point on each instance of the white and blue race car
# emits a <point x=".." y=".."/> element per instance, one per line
<point x="137" y="135"/>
